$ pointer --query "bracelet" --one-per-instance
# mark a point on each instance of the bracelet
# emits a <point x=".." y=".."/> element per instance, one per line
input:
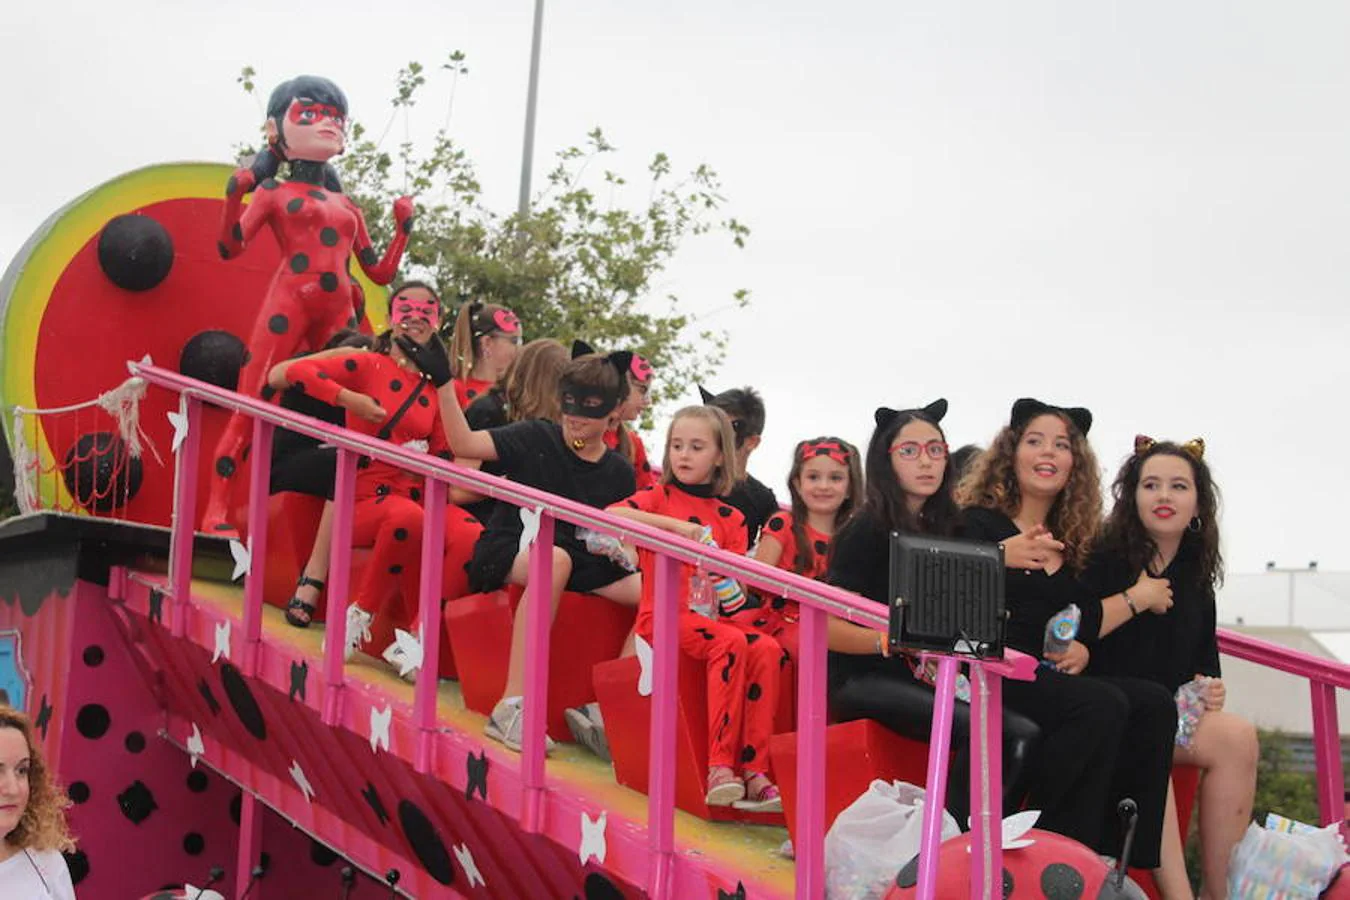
<point x="1134" y="610"/>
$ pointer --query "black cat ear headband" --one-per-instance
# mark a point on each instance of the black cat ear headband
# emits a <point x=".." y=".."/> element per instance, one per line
<point x="1026" y="409"/>
<point x="933" y="412"/>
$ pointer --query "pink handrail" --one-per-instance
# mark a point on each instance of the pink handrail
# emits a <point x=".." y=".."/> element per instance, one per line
<point x="817" y="600"/>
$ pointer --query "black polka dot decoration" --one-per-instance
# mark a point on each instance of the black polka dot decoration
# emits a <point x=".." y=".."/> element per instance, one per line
<point x="193" y="844"/>
<point x="908" y="875"/>
<point x="237" y="808"/>
<point x="267" y="392"/>
<point x="209" y="696"/>
<point x="93" y="721"/>
<point x="1061" y="881"/>
<point x="396" y="569"/>
<point x="78" y="792"/>
<point x="93" y="656"/>
<point x="321" y="855"/>
<point x="214" y="357"/>
<point x="696" y="520"/>
<point x="278" y="324"/>
<point x="224" y="466"/>
<point x="318" y="195"/>
<point x="426" y="844"/>
<point x="328" y="237"/>
<point x="100" y="472"/>
<point x="295" y="205"/>
<point x="821" y="547"/>
<point x="135" y="742"/>
<point x="755" y="692"/>
<point x="400" y="534"/>
<point x="367" y="256"/>
<point x="78" y="864"/>
<point x="470" y="393"/>
<point x="724" y="511"/>
<point x="328" y="281"/>
<point x="299" y="263"/>
<point x="269" y="184"/>
<point x="135" y="252"/>
<point x="1008" y="884"/>
<point x="137" y="802"/>
<point x="350" y="365"/>
<point x="598" y="887"/>
<point x="415" y="494"/>
<point x="396" y="385"/>
<point x="423" y="401"/>
<point x="241" y="698"/>
<point x="748" y="754"/>
<point x="197" y="782"/>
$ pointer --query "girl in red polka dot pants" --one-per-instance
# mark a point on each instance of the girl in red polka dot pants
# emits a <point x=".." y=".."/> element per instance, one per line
<point x="742" y="664"/>
<point x="373" y="387"/>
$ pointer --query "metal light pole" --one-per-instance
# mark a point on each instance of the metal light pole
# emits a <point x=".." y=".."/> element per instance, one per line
<point x="1291" y="572"/>
<point x="527" y="155"/>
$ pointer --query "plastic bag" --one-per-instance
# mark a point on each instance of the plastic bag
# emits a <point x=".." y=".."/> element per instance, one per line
<point x="1191" y="708"/>
<point x="873" y="838"/>
<point x="1294" y="864"/>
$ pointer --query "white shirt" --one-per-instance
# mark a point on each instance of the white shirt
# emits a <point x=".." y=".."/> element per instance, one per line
<point x="36" y="875"/>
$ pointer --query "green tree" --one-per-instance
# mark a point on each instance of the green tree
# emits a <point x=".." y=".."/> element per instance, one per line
<point x="581" y="264"/>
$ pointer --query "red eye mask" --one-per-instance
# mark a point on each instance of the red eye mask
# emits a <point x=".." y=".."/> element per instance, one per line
<point x="407" y="309"/>
<point x="307" y="113"/>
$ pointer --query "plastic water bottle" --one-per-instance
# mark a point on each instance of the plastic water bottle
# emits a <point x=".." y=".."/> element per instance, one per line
<point x="606" y="545"/>
<point x="1061" y="630"/>
<point x="726" y="591"/>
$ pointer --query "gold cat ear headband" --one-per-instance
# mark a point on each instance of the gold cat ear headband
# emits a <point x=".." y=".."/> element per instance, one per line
<point x="1194" y="448"/>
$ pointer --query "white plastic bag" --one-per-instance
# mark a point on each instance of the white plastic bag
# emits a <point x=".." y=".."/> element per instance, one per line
<point x="1297" y="864"/>
<point x="873" y="838"/>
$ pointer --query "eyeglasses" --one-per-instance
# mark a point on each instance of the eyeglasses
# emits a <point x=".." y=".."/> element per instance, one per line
<point x="912" y="450"/>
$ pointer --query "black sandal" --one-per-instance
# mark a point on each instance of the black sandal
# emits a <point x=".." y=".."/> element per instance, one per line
<point x="296" y="605"/>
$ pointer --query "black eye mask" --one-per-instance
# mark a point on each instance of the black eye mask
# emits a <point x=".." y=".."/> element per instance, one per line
<point x="585" y="401"/>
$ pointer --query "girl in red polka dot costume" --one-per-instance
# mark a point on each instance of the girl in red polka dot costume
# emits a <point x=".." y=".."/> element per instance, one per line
<point x="318" y="228"/>
<point x="373" y="387"/>
<point x="826" y="486"/>
<point x="623" y="438"/>
<point x="742" y="664"/>
<point x="483" y="345"/>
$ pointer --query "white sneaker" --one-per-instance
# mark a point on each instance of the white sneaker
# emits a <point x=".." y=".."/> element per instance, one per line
<point x="358" y="630"/>
<point x="507" y="723"/>
<point x="396" y="657"/>
<point x="588" y="728"/>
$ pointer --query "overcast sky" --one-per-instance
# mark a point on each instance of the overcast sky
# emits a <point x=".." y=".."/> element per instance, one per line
<point x="1137" y="207"/>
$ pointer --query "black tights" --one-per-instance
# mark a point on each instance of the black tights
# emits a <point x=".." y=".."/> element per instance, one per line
<point x="905" y="705"/>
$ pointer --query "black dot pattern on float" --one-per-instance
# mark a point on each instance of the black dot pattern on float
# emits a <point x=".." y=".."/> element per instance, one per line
<point x="93" y="721"/>
<point x="321" y="855"/>
<point x="755" y="692"/>
<point x="299" y="263"/>
<point x="318" y="195"/>
<point x="279" y="324"/>
<point x="269" y="184"/>
<point x="367" y="256"/>
<point x="425" y="842"/>
<point x="295" y="205"/>
<point x="598" y="887"/>
<point x="776" y="524"/>
<point x="396" y="385"/>
<point x="93" y="656"/>
<point x="78" y="863"/>
<point x="350" y="365"/>
<point x="423" y="401"/>
<point x="400" y="534"/>
<point x="78" y="792"/>
<point x="328" y="237"/>
<point x="224" y="467"/>
<point x="135" y="742"/>
<point x="193" y="843"/>
<point x="197" y="782"/>
<point x="328" y="281"/>
<point x="242" y="700"/>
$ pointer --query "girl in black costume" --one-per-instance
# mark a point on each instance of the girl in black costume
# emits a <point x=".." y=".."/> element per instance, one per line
<point x="1156" y="565"/>
<point x="1036" y="492"/>
<point x="908" y="490"/>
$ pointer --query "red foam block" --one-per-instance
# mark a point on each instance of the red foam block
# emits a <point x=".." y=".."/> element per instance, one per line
<point x="587" y="630"/>
<point x="856" y="753"/>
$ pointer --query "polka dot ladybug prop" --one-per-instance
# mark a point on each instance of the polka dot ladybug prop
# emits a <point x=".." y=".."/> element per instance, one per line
<point x="131" y="269"/>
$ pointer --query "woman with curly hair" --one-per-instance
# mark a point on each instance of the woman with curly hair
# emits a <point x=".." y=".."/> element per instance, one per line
<point x="1036" y="493"/>
<point x="1159" y="554"/>
<point x="31" y="817"/>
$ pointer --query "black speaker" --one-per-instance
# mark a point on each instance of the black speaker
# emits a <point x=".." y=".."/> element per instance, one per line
<point x="946" y="596"/>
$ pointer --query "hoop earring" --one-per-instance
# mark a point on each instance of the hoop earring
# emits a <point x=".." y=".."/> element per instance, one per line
<point x="1195" y="524"/>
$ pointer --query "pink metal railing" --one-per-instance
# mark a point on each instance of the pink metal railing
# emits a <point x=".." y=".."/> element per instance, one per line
<point x="817" y="601"/>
